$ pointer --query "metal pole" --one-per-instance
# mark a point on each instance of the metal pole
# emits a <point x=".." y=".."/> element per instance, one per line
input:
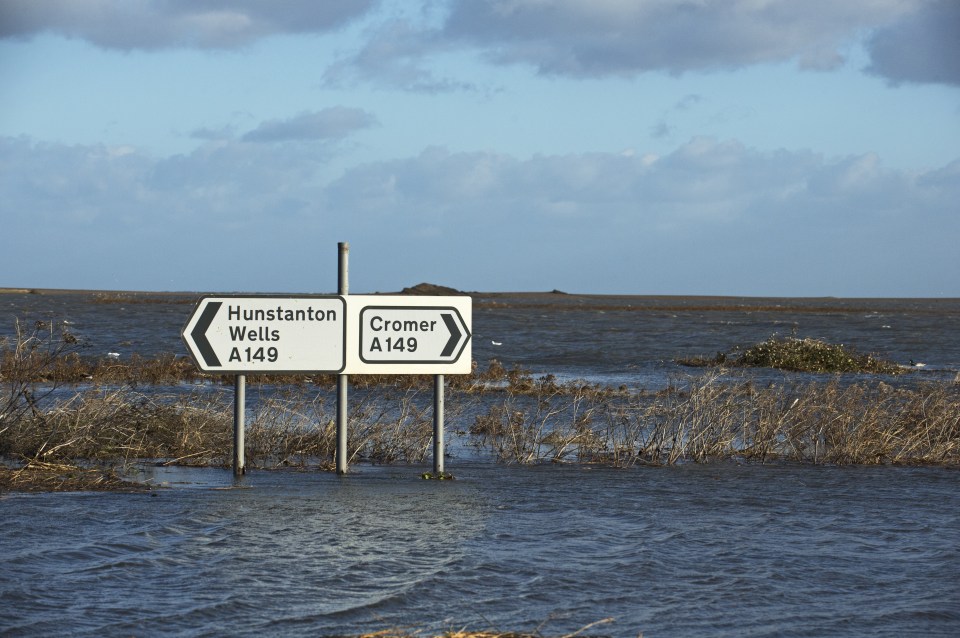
<point x="343" y="380"/>
<point x="438" y="426"/>
<point x="239" y="405"/>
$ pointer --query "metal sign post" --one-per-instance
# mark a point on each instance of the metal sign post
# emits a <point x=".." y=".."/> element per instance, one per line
<point x="438" y="426"/>
<point x="343" y="381"/>
<point x="239" y="409"/>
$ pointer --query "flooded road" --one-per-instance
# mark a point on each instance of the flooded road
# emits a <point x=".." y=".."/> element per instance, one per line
<point x="721" y="550"/>
<point x="690" y="550"/>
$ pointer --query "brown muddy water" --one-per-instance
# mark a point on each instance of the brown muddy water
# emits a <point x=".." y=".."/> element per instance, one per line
<point x="690" y="550"/>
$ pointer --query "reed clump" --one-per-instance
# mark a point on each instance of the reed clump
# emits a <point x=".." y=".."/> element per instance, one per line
<point x="38" y="476"/>
<point x="121" y="426"/>
<point x="710" y="418"/>
<point x="71" y="367"/>
<point x="542" y="421"/>
<point x="461" y="633"/>
<point x="701" y="420"/>
<point x="296" y="428"/>
<point x="466" y="633"/>
<point x="799" y="355"/>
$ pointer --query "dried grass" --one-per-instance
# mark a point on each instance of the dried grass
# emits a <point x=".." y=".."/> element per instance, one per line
<point x="516" y="418"/>
<point x="464" y="633"/>
<point x="37" y="476"/>
<point x="709" y="418"/>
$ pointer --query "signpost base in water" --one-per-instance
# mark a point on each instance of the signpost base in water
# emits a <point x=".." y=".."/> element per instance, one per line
<point x="438" y="425"/>
<point x="239" y="409"/>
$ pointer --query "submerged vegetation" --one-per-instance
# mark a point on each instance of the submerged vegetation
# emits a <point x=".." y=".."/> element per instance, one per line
<point x="709" y="418"/>
<point x="58" y="435"/>
<point x="465" y="633"/>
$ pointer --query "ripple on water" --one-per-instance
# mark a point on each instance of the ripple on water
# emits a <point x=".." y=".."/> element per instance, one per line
<point x="723" y="550"/>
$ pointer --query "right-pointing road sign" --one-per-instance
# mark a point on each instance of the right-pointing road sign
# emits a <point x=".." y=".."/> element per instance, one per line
<point x="409" y="335"/>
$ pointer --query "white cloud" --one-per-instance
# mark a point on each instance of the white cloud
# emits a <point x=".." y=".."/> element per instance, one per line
<point x="333" y="123"/>
<point x="393" y="55"/>
<point x="922" y="48"/>
<point x="56" y="187"/>
<point x="158" y="24"/>
<point x="219" y="134"/>
<point x="702" y="181"/>
<point x="718" y="215"/>
<point x="569" y="37"/>
<point x="908" y="40"/>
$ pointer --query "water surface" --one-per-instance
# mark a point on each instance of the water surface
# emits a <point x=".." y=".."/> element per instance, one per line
<point x="690" y="550"/>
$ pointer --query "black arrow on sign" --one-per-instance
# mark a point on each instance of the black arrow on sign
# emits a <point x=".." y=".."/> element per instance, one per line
<point x="455" y="335"/>
<point x="199" y="334"/>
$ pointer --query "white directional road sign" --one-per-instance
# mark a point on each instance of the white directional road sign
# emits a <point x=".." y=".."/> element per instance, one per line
<point x="391" y="334"/>
<point x="248" y="334"/>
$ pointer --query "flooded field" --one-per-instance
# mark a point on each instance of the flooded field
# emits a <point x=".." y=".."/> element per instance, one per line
<point x="719" y="549"/>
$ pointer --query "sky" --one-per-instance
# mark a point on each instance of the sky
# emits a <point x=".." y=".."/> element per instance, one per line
<point x="663" y="147"/>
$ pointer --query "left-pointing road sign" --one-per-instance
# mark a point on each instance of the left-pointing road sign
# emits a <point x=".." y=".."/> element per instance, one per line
<point x="240" y="335"/>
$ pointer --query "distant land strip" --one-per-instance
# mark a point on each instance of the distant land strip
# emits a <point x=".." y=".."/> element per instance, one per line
<point x="572" y="302"/>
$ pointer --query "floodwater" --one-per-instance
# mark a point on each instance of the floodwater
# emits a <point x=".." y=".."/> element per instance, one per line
<point x="691" y="550"/>
<point x="683" y="551"/>
<point x="615" y="340"/>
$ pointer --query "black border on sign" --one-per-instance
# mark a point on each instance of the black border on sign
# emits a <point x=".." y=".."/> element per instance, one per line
<point x="466" y="331"/>
<point x="225" y="370"/>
